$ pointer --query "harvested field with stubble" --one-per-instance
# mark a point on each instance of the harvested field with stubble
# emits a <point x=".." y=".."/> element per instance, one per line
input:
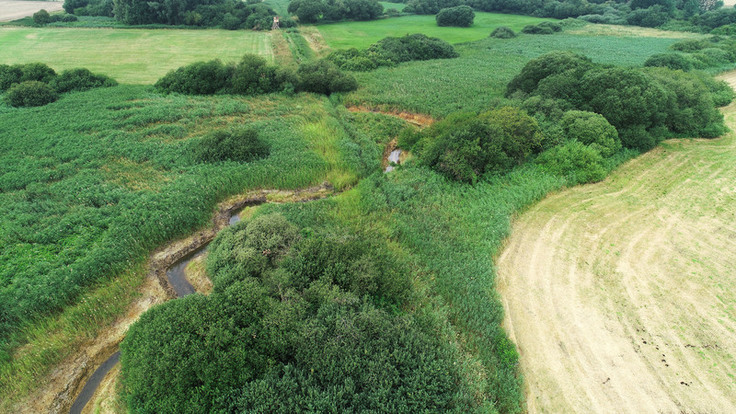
<point x="620" y="295"/>
<point x="14" y="9"/>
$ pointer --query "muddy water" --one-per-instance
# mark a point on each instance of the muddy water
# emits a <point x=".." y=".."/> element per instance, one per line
<point x="393" y="158"/>
<point x="94" y="381"/>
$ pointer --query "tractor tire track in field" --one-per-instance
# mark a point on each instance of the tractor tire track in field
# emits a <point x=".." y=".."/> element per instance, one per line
<point x="621" y="295"/>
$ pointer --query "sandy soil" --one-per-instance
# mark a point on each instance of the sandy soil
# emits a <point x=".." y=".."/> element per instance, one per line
<point x="13" y="9"/>
<point x="621" y="295"/>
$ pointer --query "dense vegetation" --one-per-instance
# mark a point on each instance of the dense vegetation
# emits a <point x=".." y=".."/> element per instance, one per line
<point x="99" y="181"/>
<point x="294" y="324"/>
<point x="254" y="76"/>
<point x="313" y="11"/>
<point x="391" y="51"/>
<point x="228" y="14"/>
<point x="459" y="16"/>
<point x="36" y="84"/>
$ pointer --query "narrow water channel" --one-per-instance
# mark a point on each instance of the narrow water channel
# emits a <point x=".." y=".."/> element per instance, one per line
<point x="177" y="279"/>
<point x="393" y="158"/>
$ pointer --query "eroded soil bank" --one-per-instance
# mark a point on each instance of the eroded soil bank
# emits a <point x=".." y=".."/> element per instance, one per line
<point x="621" y="295"/>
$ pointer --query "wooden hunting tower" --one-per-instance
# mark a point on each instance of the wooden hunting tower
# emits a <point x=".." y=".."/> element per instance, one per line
<point x="275" y="23"/>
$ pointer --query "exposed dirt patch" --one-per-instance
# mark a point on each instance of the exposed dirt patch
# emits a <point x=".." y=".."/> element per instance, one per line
<point x="13" y="10"/>
<point x="620" y="295"/>
<point x="419" y="120"/>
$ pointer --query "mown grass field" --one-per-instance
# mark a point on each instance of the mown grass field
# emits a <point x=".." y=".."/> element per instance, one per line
<point x="362" y="34"/>
<point x="479" y="76"/>
<point x="133" y="56"/>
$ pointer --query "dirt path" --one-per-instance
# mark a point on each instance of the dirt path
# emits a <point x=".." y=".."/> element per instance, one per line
<point x="621" y="296"/>
<point x="13" y="9"/>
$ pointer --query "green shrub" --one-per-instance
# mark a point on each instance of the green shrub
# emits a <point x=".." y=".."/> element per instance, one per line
<point x="9" y="75"/>
<point x="231" y="145"/>
<point x="80" y="79"/>
<point x="37" y="72"/>
<point x="323" y="76"/>
<point x="691" y="45"/>
<point x="503" y="32"/>
<point x="674" y="61"/>
<point x="254" y="76"/>
<point x="30" y="93"/>
<point x="41" y="17"/>
<point x="542" y="28"/>
<point x="430" y="6"/>
<point x="230" y="22"/>
<point x="574" y="160"/>
<point x="459" y="16"/>
<point x="199" y="78"/>
<point x="465" y="146"/>
<point x="593" y="130"/>
<point x="546" y="65"/>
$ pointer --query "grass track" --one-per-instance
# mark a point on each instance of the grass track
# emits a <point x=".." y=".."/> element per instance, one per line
<point x="134" y="56"/>
<point x="362" y="34"/>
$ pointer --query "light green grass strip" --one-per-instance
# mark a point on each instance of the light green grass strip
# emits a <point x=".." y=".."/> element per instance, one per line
<point x="135" y="56"/>
<point x="362" y="34"/>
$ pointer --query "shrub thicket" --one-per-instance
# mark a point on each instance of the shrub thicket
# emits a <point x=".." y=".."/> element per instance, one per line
<point x="293" y="324"/>
<point x="430" y="6"/>
<point x="674" y="61"/>
<point x="578" y="162"/>
<point x="542" y="28"/>
<point x="254" y="76"/>
<point x="30" y="93"/>
<point x="313" y="11"/>
<point x="231" y="145"/>
<point x="80" y="79"/>
<point x="459" y="16"/>
<point x="465" y="146"/>
<point x="645" y="105"/>
<point x="37" y="72"/>
<point x="41" y="17"/>
<point x="591" y="129"/>
<point x="503" y="32"/>
<point x="390" y="51"/>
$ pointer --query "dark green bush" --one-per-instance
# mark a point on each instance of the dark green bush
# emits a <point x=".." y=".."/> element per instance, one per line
<point x="313" y="11"/>
<point x="691" y="45"/>
<point x="80" y="79"/>
<point x="254" y="76"/>
<point x="392" y="50"/>
<point x="30" y="93"/>
<point x="41" y="17"/>
<point x="459" y="16"/>
<point x="503" y="32"/>
<point x="231" y="145"/>
<point x="37" y="72"/>
<point x="199" y="78"/>
<point x="465" y="146"/>
<point x="9" y="75"/>
<point x="674" y="61"/>
<point x="323" y="76"/>
<point x="542" y="28"/>
<point x="574" y="160"/>
<point x="430" y="6"/>
<point x="591" y="129"/>
<point x="546" y="65"/>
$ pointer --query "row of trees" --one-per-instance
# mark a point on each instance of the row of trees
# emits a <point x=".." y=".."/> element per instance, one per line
<point x="296" y="322"/>
<point x="313" y="11"/>
<point x="254" y="76"/>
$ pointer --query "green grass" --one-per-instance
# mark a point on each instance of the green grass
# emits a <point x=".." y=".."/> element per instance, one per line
<point x="363" y="34"/>
<point x="478" y="78"/>
<point x="90" y="184"/>
<point x="135" y="56"/>
<point x="398" y="6"/>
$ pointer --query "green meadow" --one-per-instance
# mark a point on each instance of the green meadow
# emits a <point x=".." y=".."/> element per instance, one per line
<point x="133" y="56"/>
<point x="362" y="34"/>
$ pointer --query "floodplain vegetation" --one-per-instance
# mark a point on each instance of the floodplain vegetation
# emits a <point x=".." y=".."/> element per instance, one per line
<point x="380" y="298"/>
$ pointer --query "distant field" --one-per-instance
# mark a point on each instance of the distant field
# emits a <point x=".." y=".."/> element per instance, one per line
<point x="131" y="55"/>
<point x="13" y="9"/>
<point x="387" y="5"/>
<point x="362" y="34"/>
<point x="479" y="76"/>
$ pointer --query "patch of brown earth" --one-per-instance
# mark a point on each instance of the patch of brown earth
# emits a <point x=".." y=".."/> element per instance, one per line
<point x="13" y="9"/>
<point x="420" y="120"/>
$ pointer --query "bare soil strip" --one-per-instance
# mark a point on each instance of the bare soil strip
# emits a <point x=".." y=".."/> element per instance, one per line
<point x="621" y="295"/>
<point x="13" y="9"/>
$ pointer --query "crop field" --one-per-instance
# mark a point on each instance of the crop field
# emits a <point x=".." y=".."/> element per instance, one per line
<point x="479" y="76"/>
<point x="362" y="34"/>
<point x="639" y="271"/>
<point x="133" y="56"/>
<point x="15" y="9"/>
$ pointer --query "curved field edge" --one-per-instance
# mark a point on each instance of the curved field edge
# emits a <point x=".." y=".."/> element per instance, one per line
<point x="620" y="294"/>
